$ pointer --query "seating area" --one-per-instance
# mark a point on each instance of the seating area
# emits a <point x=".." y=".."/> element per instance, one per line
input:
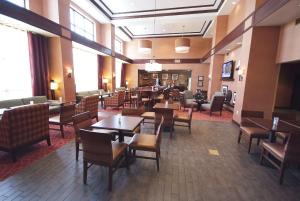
<point x="149" y="100"/>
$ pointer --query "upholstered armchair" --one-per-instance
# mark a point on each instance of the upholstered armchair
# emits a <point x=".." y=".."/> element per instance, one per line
<point x="216" y="105"/>
<point x="116" y="100"/>
<point x="187" y="100"/>
<point x="22" y="126"/>
<point x="88" y="103"/>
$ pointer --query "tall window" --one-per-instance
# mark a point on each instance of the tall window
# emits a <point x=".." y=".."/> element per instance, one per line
<point x="85" y="70"/>
<point x="15" y="75"/>
<point x="18" y="2"/>
<point x="119" y="45"/>
<point x="118" y="71"/>
<point x="81" y="24"/>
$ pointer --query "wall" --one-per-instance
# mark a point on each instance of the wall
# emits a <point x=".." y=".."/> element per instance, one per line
<point x="289" y="43"/>
<point x="164" y="48"/>
<point x="197" y="69"/>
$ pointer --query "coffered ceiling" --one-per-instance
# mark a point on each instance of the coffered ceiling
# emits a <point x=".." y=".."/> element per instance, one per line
<point x="163" y="18"/>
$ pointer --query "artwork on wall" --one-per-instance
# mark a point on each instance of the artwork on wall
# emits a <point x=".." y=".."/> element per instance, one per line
<point x="154" y="76"/>
<point x="146" y="76"/>
<point x="165" y="76"/>
<point x="174" y="76"/>
<point x="200" y="80"/>
<point x="234" y="97"/>
<point x="224" y="89"/>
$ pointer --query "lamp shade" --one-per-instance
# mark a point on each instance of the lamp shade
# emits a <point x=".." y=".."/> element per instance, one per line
<point x="105" y="80"/>
<point x="153" y="66"/>
<point x="182" y="45"/>
<point x="145" y="46"/>
<point x="53" y="85"/>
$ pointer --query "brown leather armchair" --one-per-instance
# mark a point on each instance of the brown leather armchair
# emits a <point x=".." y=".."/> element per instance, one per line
<point x="286" y="154"/>
<point x="98" y="149"/>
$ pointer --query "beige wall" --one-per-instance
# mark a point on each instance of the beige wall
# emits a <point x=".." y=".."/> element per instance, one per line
<point x="197" y="69"/>
<point x="164" y="48"/>
<point x="289" y="43"/>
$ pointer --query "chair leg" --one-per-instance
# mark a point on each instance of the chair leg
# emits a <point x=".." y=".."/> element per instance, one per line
<point x="77" y="150"/>
<point x="127" y="154"/>
<point x="62" y="130"/>
<point x="240" y="136"/>
<point x="281" y="173"/>
<point x="171" y="132"/>
<point x="250" y="143"/>
<point x="110" y="174"/>
<point x="258" y="141"/>
<point x="262" y="156"/>
<point x="157" y="161"/>
<point x="190" y="128"/>
<point x="48" y="141"/>
<point x="85" y="164"/>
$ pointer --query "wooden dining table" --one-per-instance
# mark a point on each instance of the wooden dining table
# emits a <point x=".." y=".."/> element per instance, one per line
<point x="119" y="123"/>
<point x="283" y="126"/>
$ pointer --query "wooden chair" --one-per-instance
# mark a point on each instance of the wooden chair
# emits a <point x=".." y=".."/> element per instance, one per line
<point x="168" y="115"/>
<point x="147" y="142"/>
<point x="184" y="118"/>
<point x="148" y="116"/>
<point x="251" y="130"/>
<point x="134" y="98"/>
<point x="64" y="117"/>
<point x="216" y="105"/>
<point x="98" y="149"/>
<point x="286" y="154"/>
<point x="287" y="116"/>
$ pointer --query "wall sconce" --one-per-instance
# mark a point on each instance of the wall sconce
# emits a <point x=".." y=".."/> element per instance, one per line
<point x="241" y="73"/>
<point x="126" y="84"/>
<point x="53" y="87"/>
<point x="69" y="72"/>
<point x="105" y="81"/>
<point x="209" y="77"/>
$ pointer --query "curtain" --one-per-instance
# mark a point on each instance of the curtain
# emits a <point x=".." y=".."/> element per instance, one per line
<point x="38" y="56"/>
<point x="100" y="71"/>
<point x="123" y="75"/>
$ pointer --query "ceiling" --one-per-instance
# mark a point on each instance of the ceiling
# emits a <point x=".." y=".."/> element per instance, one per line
<point x="164" y="18"/>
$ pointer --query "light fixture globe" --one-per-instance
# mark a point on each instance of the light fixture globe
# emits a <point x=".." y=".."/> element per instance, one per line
<point x="145" y="46"/>
<point x="182" y="45"/>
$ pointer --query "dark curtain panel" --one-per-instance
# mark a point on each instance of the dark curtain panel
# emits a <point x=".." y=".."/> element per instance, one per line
<point x="123" y="75"/>
<point x="38" y="55"/>
<point x="100" y="71"/>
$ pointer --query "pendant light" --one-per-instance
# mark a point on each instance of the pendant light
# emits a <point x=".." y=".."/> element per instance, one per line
<point x="182" y="45"/>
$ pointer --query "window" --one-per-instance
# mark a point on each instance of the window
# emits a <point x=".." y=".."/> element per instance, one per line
<point x="85" y="70"/>
<point x="20" y="3"/>
<point x="119" y="46"/>
<point x="15" y="75"/>
<point x="118" y="71"/>
<point x="81" y="24"/>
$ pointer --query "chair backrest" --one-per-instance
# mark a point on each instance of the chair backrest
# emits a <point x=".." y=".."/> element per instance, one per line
<point x="188" y="94"/>
<point x="253" y="114"/>
<point x="292" y="150"/>
<point x="92" y="104"/>
<point x="190" y="114"/>
<point x="121" y="96"/>
<point x="158" y="127"/>
<point x="132" y="111"/>
<point x="66" y="113"/>
<point x="97" y="147"/>
<point x="228" y="96"/>
<point x="217" y="103"/>
<point x="81" y="121"/>
<point x="285" y="115"/>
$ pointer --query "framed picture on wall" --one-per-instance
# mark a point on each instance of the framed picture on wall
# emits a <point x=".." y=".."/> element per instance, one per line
<point x="224" y="89"/>
<point x="146" y="76"/>
<point x="154" y="76"/>
<point x="165" y="76"/>
<point x="200" y="78"/>
<point x="234" y="97"/>
<point x="174" y="76"/>
<point x="200" y="83"/>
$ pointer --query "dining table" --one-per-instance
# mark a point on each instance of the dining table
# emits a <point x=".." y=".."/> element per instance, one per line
<point x="122" y="124"/>
<point x="284" y="126"/>
<point x="167" y="111"/>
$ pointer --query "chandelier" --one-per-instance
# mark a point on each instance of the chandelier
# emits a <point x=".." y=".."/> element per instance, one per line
<point x="153" y="66"/>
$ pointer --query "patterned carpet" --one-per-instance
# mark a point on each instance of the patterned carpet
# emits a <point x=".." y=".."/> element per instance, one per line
<point x="30" y="154"/>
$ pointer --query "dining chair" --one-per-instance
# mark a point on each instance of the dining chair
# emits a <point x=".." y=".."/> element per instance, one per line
<point x="251" y="130"/>
<point x="286" y="116"/>
<point x="64" y="117"/>
<point x="148" y="142"/>
<point x="184" y="118"/>
<point x="286" y="154"/>
<point x="99" y="149"/>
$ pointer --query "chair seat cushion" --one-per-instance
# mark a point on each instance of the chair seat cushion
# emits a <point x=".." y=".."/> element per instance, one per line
<point x="148" y="115"/>
<point x="255" y="132"/>
<point x="54" y="119"/>
<point x="181" y="117"/>
<point x="118" y="149"/>
<point x="206" y="106"/>
<point x="274" y="148"/>
<point x="143" y="142"/>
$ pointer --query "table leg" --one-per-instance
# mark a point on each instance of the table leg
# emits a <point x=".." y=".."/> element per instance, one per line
<point x="121" y="137"/>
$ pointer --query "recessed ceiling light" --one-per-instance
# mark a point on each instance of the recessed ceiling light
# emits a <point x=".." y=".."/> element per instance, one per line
<point x="233" y="3"/>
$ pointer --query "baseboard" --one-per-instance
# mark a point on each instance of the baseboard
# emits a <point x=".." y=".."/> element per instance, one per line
<point x="235" y="122"/>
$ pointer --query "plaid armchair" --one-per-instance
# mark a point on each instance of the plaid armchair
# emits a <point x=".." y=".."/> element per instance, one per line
<point x="22" y="126"/>
<point x="88" y="103"/>
<point x="116" y="100"/>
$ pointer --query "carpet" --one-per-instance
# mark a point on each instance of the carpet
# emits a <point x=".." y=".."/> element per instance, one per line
<point x="30" y="154"/>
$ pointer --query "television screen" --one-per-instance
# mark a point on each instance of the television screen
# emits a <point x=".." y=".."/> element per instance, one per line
<point x="227" y="70"/>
